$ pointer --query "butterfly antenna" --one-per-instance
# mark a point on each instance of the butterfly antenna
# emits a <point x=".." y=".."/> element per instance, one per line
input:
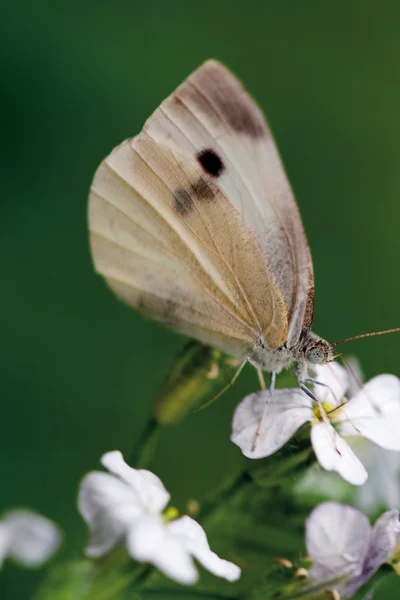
<point x="364" y="335"/>
<point x="224" y="389"/>
<point x="351" y="371"/>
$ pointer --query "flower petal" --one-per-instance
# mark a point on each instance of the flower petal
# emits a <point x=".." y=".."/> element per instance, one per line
<point x="384" y="537"/>
<point x="4" y="541"/>
<point x="32" y="538"/>
<point x="337" y="538"/>
<point x="377" y="398"/>
<point x="149" y="541"/>
<point x="192" y="537"/>
<point x="374" y="413"/>
<point x="336" y="382"/>
<point x="334" y="454"/>
<point x="109" y="506"/>
<point x="383" y="485"/>
<point x="383" y="431"/>
<point x="288" y="411"/>
<point x="148" y="487"/>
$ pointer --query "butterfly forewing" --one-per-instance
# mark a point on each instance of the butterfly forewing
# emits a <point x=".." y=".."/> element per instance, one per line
<point x="193" y="222"/>
<point x="211" y="111"/>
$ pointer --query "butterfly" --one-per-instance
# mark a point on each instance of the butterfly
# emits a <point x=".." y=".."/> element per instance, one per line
<point x="193" y="223"/>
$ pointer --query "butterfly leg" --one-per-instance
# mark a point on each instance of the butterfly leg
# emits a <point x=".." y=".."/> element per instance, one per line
<point x="261" y="379"/>
<point x="338" y="402"/>
<point x="267" y="403"/>
<point x="315" y="399"/>
<point x="224" y="389"/>
<point x="325" y="385"/>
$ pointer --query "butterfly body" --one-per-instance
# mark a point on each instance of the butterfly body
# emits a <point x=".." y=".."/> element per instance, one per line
<point x="282" y="358"/>
<point x="194" y="224"/>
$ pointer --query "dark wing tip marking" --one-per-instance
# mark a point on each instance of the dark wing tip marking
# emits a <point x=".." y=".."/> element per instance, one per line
<point x="215" y="92"/>
<point x="228" y="93"/>
<point x="242" y="117"/>
<point x="211" y="162"/>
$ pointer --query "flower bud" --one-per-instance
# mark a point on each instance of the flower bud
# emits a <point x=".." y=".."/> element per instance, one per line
<point x="197" y="375"/>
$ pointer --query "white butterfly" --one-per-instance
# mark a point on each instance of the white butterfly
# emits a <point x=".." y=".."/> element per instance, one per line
<point x="193" y="223"/>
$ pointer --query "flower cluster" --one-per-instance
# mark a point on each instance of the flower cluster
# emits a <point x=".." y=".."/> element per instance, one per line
<point x="373" y="413"/>
<point x="129" y="505"/>
<point x="346" y="551"/>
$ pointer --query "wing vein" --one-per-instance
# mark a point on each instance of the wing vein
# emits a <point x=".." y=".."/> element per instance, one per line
<point x="202" y="287"/>
<point x="227" y="265"/>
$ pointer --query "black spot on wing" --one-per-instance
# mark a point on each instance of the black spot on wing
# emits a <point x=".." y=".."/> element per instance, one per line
<point x="183" y="201"/>
<point x="211" y="162"/>
<point x="200" y="190"/>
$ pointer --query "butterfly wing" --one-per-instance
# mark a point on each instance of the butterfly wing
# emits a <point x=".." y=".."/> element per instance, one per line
<point x="171" y="244"/>
<point x="183" y="223"/>
<point x="211" y="111"/>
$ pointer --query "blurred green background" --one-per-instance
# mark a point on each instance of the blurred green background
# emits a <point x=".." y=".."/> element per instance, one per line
<point x="79" y="369"/>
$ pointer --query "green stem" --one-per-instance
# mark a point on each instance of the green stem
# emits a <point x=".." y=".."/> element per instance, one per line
<point x="192" y="593"/>
<point x="319" y="590"/>
<point x="107" y="563"/>
<point x="146" y="445"/>
<point x="106" y="590"/>
<point x="225" y="493"/>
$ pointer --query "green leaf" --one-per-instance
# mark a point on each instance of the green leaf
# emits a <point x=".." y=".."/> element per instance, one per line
<point x="69" y="581"/>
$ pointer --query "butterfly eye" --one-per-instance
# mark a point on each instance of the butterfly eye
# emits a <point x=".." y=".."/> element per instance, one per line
<point x="315" y="355"/>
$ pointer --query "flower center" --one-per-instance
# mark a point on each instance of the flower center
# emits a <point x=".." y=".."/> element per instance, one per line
<point x="317" y="410"/>
<point x="170" y="514"/>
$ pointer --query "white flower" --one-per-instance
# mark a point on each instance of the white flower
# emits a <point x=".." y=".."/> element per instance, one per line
<point x="345" y="549"/>
<point x="382" y="490"/>
<point x="27" y="538"/>
<point x="127" y="505"/>
<point x="373" y="412"/>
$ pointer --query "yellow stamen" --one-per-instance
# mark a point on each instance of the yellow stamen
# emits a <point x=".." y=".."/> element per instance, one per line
<point x="170" y="514"/>
<point x="317" y="411"/>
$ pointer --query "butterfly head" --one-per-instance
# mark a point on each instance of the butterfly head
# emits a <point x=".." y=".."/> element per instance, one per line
<point x="314" y="350"/>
